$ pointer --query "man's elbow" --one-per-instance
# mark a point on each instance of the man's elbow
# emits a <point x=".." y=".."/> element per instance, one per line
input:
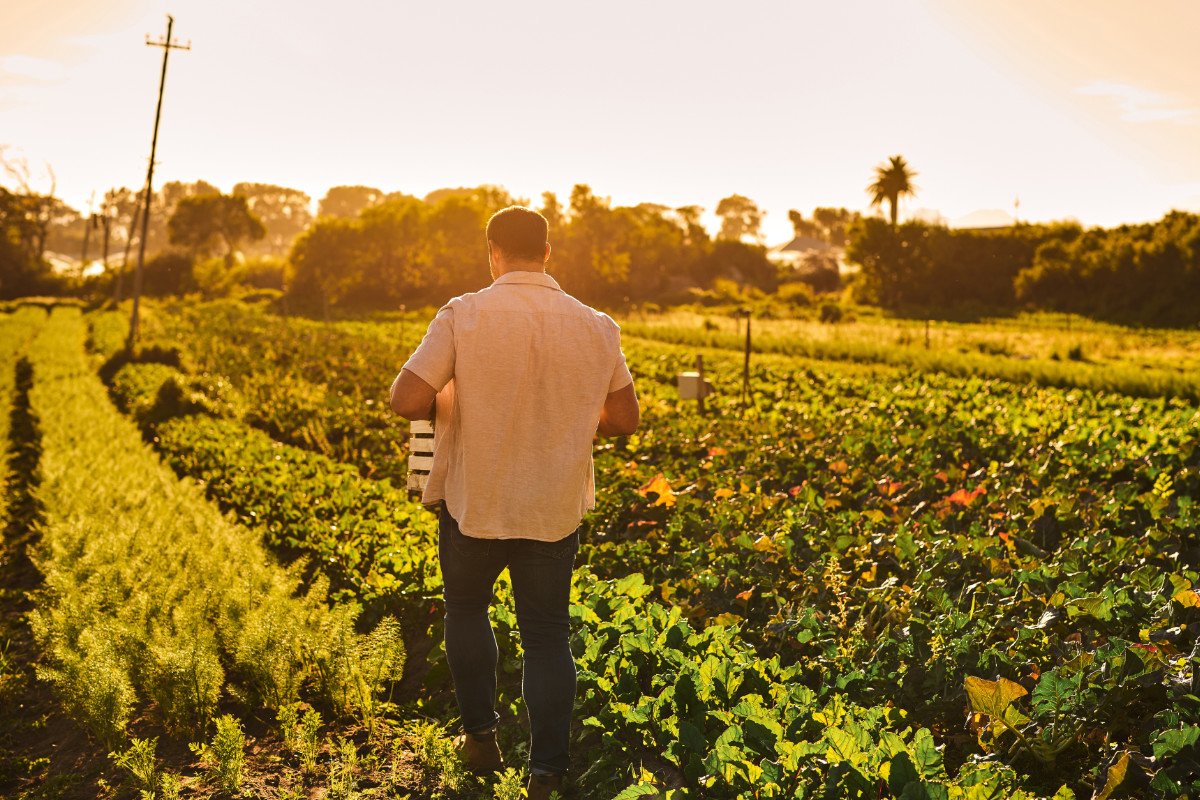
<point x="620" y="425"/>
<point x="629" y="425"/>
<point x="409" y="409"/>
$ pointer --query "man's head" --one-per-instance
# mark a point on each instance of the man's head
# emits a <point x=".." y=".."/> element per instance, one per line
<point x="516" y="239"/>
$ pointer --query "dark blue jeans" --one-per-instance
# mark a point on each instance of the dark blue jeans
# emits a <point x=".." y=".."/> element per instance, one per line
<point x="541" y="582"/>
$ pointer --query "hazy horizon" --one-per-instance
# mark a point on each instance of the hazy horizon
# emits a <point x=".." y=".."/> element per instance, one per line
<point x="1082" y="110"/>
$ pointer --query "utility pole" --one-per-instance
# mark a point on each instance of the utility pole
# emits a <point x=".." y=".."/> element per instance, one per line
<point x="131" y="234"/>
<point x="89" y="223"/>
<point x="167" y="44"/>
<point x="106" y="222"/>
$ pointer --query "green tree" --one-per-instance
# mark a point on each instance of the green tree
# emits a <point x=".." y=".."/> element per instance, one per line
<point x="552" y="210"/>
<point x="740" y="218"/>
<point x="202" y="223"/>
<point x="834" y="223"/>
<point x="397" y="256"/>
<point x="326" y="263"/>
<point x="347" y="202"/>
<point x="893" y="181"/>
<point x="22" y="271"/>
<point x="162" y="207"/>
<point x="805" y="227"/>
<point x="284" y="213"/>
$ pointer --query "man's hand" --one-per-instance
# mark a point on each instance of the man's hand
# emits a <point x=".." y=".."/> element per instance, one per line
<point x="412" y="398"/>
<point x="621" y="413"/>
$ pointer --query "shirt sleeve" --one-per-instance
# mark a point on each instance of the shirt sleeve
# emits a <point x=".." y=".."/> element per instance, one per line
<point x="621" y="376"/>
<point x="433" y="360"/>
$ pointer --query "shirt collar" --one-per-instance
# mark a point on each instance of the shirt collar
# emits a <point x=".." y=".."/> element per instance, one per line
<point x="526" y="276"/>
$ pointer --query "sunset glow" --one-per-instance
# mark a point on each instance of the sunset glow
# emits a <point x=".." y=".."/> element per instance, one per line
<point x="1088" y="110"/>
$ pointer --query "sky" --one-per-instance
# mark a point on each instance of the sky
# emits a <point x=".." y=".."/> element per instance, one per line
<point x="1082" y="109"/>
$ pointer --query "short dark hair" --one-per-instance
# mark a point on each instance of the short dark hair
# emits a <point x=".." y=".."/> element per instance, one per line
<point x="519" y="232"/>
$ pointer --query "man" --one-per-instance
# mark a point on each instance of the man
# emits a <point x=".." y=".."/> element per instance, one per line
<point x="523" y="376"/>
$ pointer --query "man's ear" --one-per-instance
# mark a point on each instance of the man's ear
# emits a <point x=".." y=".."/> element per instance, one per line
<point x="547" y="256"/>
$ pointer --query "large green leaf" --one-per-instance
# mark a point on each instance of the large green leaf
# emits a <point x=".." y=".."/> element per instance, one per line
<point x="1054" y="692"/>
<point x="992" y="697"/>
<point x="926" y="755"/>
<point x="1168" y="743"/>
<point x="901" y="772"/>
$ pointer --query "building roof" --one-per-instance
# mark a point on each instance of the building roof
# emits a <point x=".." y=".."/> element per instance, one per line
<point x="803" y="244"/>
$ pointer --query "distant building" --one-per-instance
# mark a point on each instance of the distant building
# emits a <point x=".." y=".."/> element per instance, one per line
<point x="795" y="251"/>
<point x="984" y="219"/>
<point x="807" y="253"/>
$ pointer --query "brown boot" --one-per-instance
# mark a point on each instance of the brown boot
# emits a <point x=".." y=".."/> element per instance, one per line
<point x="545" y="787"/>
<point x="480" y="752"/>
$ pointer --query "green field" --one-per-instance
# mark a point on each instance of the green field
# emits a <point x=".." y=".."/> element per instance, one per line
<point x="966" y="570"/>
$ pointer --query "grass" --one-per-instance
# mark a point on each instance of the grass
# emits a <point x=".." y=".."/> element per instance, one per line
<point x="1035" y="349"/>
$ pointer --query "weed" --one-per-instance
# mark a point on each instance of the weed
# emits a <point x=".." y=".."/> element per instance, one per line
<point x="288" y="719"/>
<point x="169" y="785"/>
<point x="379" y="663"/>
<point x="140" y="762"/>
<point x="437" y="756"/>
<point x="224" y="760"/>
<point x="343" y="764"/>
<point x="309" y="743"/>
<point x="508" y="786"/>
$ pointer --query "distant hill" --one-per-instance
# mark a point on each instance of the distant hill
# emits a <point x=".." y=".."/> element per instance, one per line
<point x="984" y="218"/>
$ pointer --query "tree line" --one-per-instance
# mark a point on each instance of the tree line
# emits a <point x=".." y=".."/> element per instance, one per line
<point x="366" y="248"/>
<point x="416" y="251"/>
<point x="1146" y="274"/>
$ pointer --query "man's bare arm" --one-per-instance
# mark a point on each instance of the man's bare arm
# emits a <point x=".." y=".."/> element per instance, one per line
<point x="412" y="398"/>
<point x="621" y="413"/>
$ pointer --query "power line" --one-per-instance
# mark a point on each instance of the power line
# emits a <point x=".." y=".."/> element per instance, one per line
<point x="167" y="44"/>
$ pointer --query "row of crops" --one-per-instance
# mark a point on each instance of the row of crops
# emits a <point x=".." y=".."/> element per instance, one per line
<point x="870" y="583"/>
<point x="156" y="618"/>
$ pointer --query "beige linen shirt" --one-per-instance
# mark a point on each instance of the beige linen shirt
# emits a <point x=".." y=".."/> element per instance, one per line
<point x="522" y="370"/>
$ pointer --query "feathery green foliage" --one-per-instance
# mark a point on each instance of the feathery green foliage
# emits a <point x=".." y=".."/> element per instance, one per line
<point x="149" y="592"/>
<point x="224" y="759"/>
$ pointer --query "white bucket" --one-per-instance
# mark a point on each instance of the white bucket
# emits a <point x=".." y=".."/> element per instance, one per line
<point x="692" y="386"/>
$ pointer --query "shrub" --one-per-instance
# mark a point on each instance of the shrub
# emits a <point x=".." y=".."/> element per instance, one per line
<point x="215" y="278"/>
<point x="265" y="273"/>
<point x="831" y="312"/>
<point x="153" y="393"/>
<point x="134" y="388"/>
<point x="89" y="676"/>
<point x="261" y="296"/>
<point x="186" y="679"/>
<point x="168" y="273"/>
<point x="796" y="294"/>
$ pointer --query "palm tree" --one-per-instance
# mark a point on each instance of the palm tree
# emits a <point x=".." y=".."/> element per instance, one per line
<point x="893" y="180"/>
